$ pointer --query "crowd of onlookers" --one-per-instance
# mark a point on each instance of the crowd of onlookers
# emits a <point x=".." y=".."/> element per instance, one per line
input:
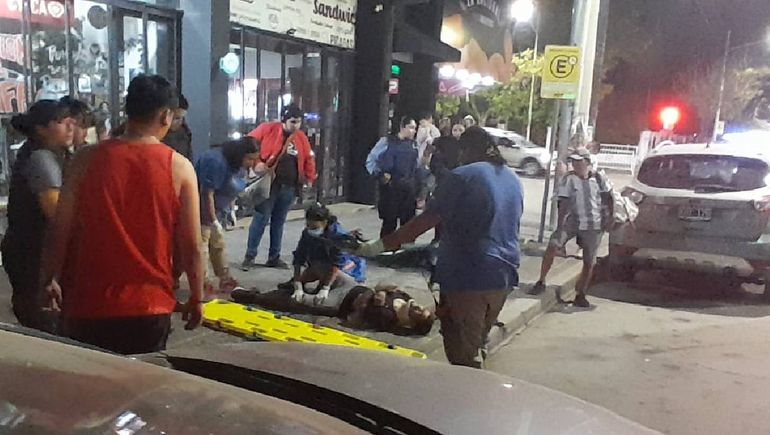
<point x="101" y="226"/>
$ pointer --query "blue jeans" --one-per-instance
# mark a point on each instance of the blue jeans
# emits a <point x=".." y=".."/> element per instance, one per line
<point x="274" y="211"/>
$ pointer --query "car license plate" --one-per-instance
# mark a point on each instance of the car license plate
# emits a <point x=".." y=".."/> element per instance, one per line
<point x="694" y="214"/>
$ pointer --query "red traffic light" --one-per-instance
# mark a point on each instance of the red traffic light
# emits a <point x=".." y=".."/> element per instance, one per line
<point x="669" y="116"/>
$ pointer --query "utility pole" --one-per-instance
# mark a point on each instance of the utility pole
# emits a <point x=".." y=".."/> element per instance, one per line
<point x="722" y="87"/>
<point x="533" y="78"/>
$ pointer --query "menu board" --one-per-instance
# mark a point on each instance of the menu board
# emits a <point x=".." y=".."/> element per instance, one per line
<point x="330" y="22"/>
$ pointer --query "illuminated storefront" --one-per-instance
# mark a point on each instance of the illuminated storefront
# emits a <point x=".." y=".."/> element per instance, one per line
<point x="88" y="49"/>
<point x="298" y="53"/>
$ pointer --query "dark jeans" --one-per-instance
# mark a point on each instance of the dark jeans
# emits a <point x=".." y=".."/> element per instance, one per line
<point x="273" y="211"/>
<point x="124" y="335"/>
<point x="397" y="205"/>
<point x="23" y="272"/>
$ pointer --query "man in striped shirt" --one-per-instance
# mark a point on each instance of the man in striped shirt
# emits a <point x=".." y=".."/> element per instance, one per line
<point x="583" y="200"/>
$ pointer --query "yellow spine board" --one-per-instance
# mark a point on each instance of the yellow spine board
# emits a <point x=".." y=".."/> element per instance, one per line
<point x="251" y="322"/>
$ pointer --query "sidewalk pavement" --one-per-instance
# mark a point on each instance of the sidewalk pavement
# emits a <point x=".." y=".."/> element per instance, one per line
<point x="519" y="310"/>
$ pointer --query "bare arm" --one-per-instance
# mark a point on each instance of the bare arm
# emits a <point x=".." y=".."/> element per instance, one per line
<point x="48" y="201"/>
<point x="412" y="230"/>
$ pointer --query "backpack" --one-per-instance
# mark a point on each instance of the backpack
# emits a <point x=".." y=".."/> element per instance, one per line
<point x="624" y="210"/>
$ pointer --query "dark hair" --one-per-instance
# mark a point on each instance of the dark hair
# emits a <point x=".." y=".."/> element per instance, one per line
<point x="424" y="326"/>
<point x="291" y="111"/>
<point x="406" y="120"/>
<point x="148" y="94"/>
<point x="235" y="150"/>
<point x="318" y="213"/>
<point x="426" y="115"/>
<point x="346" y="307"/>
<point x="476" y="145"/>
<point x="79" y="110"/>
<point x="183" y="103"/>
<point x="39" y="114"/>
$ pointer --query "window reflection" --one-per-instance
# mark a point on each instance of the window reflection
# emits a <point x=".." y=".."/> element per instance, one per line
<point x="48" y="33"/>
<point x="90" y="59"/>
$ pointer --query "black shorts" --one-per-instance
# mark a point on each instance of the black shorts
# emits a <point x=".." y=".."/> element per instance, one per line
<point x="124" y="335"/>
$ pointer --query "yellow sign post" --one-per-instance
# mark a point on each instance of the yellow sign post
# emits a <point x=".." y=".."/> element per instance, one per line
<point x="561" y="72"/>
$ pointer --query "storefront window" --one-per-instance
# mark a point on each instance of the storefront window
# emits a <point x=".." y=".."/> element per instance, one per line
<point x="48" y="33"/>
<point x="130" y="56"/>
<point x="250" y="82"/>
<point x="160" y="48"/>
<point x="235" y="88"/>
<point x="293" y="90"/>
<point x="12" y="61"/>
<point x="277" y="72"/>
<point x="90" y="62"/>
<point x="270" y="89"/>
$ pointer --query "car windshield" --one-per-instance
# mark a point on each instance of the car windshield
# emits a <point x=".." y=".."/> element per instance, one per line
<point x="704" y="173"/>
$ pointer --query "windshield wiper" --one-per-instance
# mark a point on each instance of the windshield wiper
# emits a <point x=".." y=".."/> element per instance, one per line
<point x="710" y="188"/>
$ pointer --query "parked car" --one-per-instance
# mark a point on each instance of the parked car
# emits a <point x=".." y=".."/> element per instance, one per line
<point x="50" y="385"/>
<point x="702" y="208"/>
<point x="520" y="153"/>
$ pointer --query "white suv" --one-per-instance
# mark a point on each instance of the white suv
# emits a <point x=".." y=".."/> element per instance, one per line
<point x="702" y="208"/>
<point x="520" y="153"/>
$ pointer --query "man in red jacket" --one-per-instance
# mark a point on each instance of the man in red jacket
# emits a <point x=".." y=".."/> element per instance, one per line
<point x="286" y="151"/>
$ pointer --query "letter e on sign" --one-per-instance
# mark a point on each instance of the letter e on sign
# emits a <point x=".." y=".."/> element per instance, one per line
<point x="561" y="72"/>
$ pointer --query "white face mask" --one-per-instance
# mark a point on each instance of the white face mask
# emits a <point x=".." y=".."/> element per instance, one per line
<point x="315" y="233"/>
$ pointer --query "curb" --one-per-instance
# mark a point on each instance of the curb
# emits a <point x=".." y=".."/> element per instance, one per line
<point x="520" y="310"/>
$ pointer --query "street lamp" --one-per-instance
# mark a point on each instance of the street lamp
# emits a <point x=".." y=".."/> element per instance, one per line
<point x="522" y="11"/>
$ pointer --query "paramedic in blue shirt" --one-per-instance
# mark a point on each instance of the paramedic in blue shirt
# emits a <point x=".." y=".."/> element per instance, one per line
<point x="221" y="177"/>
<point x="479" y="206"/>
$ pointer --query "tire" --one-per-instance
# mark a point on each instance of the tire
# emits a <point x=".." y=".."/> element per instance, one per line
<point x="531" y="168"/>
<point x="766" y="293"/>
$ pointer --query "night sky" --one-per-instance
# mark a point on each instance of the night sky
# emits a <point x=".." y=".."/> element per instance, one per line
<point x="649" y="41"/>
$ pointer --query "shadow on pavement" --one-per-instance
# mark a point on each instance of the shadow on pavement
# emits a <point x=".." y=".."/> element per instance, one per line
<point x="684" y="291"/>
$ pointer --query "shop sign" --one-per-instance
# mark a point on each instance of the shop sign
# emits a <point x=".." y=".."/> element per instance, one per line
<point x="393" y="86"/>
<point x="46" y="12"/>
<point x="12" y="48"/>
<point x="561" y="72"/>
<point x="329" y="22"/>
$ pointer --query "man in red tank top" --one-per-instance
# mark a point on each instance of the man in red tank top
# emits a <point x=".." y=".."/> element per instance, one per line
<point x="124" y="207"/>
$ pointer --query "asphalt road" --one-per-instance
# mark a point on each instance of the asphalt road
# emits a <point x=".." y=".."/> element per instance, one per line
<point x="682" y="360"/>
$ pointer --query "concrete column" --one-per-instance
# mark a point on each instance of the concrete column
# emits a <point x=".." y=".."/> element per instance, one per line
<point x="374" y="46"/>
<point x="205" y="39"/>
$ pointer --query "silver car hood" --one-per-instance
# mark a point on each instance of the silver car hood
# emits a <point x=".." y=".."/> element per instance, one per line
<point x="447" y="399"/>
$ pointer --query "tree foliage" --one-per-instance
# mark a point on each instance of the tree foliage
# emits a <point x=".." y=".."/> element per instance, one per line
<point x="746" y="94"/>
<point x="447" y="106"/>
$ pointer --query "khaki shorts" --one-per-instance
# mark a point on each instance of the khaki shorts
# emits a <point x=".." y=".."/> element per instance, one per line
<point x="588" y="240"/>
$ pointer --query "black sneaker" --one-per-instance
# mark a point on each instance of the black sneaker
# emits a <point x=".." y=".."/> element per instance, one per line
<point x="536" y="289"/>
<point x="581" y="301"/>
<point x="276" y="263"/>
<point x="247" y="264"/>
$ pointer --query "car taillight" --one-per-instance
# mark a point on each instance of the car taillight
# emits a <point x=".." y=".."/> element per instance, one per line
<point x="763" y="204"/>
<point x="634" y="195"/>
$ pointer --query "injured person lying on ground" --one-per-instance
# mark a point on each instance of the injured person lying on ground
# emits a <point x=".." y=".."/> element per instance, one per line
<point x="384" y="308"/>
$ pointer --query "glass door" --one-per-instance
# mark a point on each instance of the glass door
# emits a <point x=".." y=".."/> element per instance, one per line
<point x="144" y="43"/>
